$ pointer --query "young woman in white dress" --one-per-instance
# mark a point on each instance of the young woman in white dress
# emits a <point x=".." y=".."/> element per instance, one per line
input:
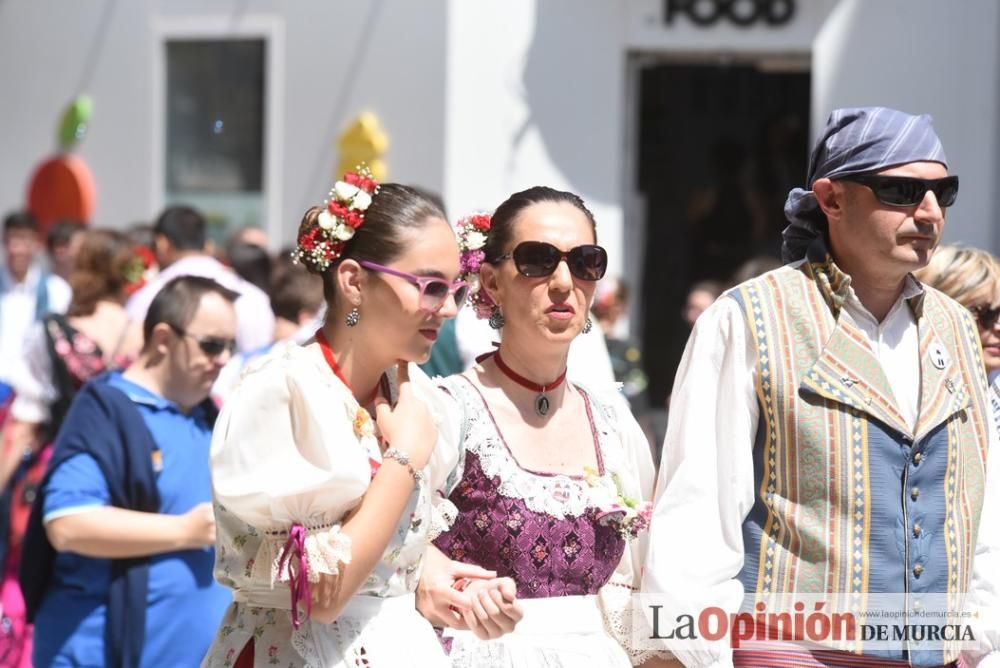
<point x="323" y="514"/>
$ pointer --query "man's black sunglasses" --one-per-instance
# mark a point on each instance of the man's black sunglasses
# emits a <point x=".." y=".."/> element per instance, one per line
<point x="907" y="190"/>
<point x="535" y="259"/>
<point x="213" y="346"/>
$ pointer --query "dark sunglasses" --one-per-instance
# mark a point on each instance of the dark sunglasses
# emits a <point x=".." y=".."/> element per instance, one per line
<point x="535" y="259"/>
<point x="433" y="291"/>
<point x="213" y="346"/>
<point x="986" y="316"/>
<point x="908" y="191"/>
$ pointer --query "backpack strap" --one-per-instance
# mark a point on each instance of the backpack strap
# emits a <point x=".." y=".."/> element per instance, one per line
<point x="56" y="327"/>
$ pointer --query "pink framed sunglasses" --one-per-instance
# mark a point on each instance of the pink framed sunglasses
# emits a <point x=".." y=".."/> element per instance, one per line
<point x="433" y="291"/>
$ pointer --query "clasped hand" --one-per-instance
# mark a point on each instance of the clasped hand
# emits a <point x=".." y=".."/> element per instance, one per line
<point x="487" y="605"/>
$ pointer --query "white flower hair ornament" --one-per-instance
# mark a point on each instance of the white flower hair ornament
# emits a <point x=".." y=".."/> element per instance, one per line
<point x="343" y="213"/>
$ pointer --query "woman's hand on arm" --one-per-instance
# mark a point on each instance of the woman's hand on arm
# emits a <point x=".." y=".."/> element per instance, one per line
<point x="437" y="598"/>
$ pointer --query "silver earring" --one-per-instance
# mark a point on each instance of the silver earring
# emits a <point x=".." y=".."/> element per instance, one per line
<point x="589" y="325"/>
<point x="496" y="318"/>
<point x="353" y="317"/>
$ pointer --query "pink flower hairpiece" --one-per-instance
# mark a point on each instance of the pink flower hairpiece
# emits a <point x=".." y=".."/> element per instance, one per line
<point x="342" y="214"/>
<point x="472" y="234"/>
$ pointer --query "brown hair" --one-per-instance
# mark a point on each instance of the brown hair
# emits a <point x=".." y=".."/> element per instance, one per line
<point x="100" y="270"/>
<point x="968" y="275"/>
<point x="177" y="302"/>
<point x="294" y="290"/>
<point x="394" y="208"/>
<point x="502" y="220"/>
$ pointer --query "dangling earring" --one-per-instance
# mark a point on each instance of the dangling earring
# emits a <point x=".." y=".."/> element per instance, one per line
<point x="496" y="317"/>
<point x="589" y="325"/>
<point x="353" y="317"/>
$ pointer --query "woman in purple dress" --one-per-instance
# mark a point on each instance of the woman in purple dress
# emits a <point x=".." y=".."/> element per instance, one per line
<point x="551" y="487"/>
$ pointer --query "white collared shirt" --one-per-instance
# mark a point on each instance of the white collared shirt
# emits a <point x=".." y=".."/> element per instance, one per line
<point x="896" y="345"/>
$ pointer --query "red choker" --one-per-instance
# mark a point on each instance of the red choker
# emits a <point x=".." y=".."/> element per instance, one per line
<point x="541" y="401"/>
<point x="331" y="360"/>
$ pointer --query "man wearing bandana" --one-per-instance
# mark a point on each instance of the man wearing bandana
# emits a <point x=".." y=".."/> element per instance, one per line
<point x="830" y="423"/>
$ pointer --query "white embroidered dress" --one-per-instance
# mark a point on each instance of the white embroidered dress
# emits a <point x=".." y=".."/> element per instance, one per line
<point x="291" y="446"/>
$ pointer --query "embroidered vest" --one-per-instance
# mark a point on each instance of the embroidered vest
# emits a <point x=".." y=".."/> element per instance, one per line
<point x="850" y="499"/>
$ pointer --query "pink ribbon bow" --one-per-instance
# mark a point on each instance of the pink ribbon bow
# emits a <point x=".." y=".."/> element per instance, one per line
<point x="294" y="553"/>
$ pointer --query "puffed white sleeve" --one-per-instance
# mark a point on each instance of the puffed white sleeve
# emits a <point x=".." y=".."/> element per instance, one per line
<point x="445" y="462"/>
<point x="984" y="590"/>
<point x="617" y="597"/>
<point x="285" y="452"/>
<point x="705" y="488"/>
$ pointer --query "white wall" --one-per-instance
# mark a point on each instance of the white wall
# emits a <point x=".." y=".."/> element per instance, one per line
<point x="924" y="56"/>
<point x="646" y="30"/>
<point x="535" y="97"/>
<point x="337" y="59"/>
<point x="479" y="98"/>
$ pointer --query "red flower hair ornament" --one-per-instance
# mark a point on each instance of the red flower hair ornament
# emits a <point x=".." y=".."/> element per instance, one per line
<point x="344" y="212"/>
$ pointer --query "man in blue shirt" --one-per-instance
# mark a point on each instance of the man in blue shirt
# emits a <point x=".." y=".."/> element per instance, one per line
<point x="121" y="542"/>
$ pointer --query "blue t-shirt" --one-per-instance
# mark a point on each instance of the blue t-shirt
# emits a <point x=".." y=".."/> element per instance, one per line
<point x="185" y="603"/>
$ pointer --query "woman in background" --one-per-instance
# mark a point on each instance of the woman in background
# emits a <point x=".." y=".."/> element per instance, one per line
<point x="972" y="278"/>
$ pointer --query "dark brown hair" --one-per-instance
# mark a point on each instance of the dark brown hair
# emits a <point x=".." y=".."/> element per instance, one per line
<point x="394" y="208"/>
<point x="20" y="220"/>
<point x="100" y="270"/>
<point x="178" y="301"/>
<point x="183" y="226"/>
<point x="294" y="290"/>
<point x="503" y="219"/>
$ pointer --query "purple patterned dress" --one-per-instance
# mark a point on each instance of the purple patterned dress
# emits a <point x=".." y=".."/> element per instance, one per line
<point x="545" y="532"/>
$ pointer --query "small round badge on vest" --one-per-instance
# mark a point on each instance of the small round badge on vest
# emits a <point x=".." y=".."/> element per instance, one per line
<point x="938" y="356"/>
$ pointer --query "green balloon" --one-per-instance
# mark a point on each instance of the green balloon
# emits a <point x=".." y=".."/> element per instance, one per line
<point x="74" y="122"/>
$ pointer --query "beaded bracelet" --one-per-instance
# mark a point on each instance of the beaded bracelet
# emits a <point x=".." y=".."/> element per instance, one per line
<point x="404" y="460"/>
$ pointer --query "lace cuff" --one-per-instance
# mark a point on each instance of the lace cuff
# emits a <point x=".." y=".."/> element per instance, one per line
<point x="443" y="516"/>
<point x="327" y="549"/>
<point x="616" y="606"/>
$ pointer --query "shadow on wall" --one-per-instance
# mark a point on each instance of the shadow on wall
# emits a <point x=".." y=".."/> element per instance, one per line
<point x="563" y="72"/>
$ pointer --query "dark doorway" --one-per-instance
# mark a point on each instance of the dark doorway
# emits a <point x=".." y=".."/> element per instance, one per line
<point x="719" y="148"/>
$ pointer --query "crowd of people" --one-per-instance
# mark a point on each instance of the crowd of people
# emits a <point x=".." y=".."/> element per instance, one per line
<point x="406" y="443"/>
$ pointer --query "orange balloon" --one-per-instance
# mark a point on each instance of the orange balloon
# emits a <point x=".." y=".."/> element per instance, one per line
<point x="62" y="187"/>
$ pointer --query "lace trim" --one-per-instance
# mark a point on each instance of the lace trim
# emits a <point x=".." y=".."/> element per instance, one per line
<point x="616" y="605"/>
<point x="328" y="551"/>
<point x="443" y="516"/>
<point x="557" y="495"/>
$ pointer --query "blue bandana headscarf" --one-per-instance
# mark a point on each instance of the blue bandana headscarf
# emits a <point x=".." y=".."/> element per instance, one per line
<point x="855" y="141"/>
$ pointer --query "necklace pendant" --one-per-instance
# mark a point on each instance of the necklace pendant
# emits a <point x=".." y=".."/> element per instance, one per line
<point x="541" y="405"/>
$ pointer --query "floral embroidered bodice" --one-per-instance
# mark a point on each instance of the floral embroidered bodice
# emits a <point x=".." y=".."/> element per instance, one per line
<point x="543" y="530"/>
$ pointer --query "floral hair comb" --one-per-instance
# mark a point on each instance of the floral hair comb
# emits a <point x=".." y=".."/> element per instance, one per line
<point x="344" y="212"/>
<point x="472" y="233"/>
